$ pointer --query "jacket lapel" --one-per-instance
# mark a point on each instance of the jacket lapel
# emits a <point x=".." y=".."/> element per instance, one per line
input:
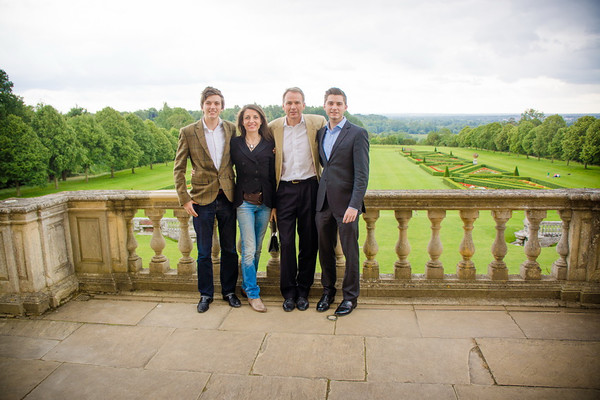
<point x="199" y="131"/>
<point x="340" y="138"/>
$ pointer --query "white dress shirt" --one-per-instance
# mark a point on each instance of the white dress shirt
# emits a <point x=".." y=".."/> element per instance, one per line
<point x="297" y="158"/>
<point x="215" y="139"/>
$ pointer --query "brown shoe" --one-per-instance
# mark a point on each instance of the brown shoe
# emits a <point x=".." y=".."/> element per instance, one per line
<point x="257" y="305"/>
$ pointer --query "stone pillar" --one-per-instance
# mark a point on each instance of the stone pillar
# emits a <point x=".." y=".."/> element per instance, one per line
<point x="186" y="264"/>
<point x="216" y="253"/>
<point x="530" y="269"/>
<point x="370" y="248"/>
<point x="582" y="258"/>
<point x="402" y="269"/>
<point x="434" y="268"/>
<point x="497" y="269"/>
<point x="466" y="268"/>
<point x="159" y="263"/>
<point x="559" y="267"/>
<point x="340" y="260"/>
<point x="134" y="262"/>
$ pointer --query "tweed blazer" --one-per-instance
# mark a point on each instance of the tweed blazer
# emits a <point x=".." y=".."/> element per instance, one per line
<point x="207" y="180"/>
<point x="313" y="124"/>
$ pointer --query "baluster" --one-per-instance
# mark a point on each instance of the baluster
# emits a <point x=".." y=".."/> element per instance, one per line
<point x="402" y="268"/>
<point x="340" y="260"/>
<point x="216" y="253"/>
<point x="559" y="267"/>
<point x="466" y="268"/>
<point x="134" y="262"/>
<point x="159" y="263"/>
<point x="497" y="269"/>
<point x="530" y="269"/>
<point x="186" y="264"/>
<point x="434" y="268"/>
<point x="370" y="248"/>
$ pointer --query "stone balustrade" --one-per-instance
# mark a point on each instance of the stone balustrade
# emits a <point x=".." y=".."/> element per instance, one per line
<point x="57" y="245"/>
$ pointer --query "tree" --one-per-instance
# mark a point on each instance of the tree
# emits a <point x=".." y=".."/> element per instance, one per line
<point x="65" y="151"/>
<point x="125" y="152"/>
<point x="555" y="148"/>
<point x="574" y="138"/>
<point x="96" y="144"/>
<point x="464" y="137"/>
<point x="534" y="116"/>
<point x="143" y="138"/>
<point x="23" y="157"/>
<point x="164" y="151"/>
<point x="501" y="138"/>
<point x="590" y="154"/>
<point x="544" y="134"/>
<point x="524" y="130"/>
<point x="11" y="103"/>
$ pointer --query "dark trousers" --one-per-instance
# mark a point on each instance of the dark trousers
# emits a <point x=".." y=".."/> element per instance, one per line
<point x="328" y="226"/>
<point x="296" y="203"/>
<point x="224" y="211"/>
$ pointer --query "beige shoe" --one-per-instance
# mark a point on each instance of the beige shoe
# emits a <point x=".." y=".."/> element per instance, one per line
<point x="257" y="305"/>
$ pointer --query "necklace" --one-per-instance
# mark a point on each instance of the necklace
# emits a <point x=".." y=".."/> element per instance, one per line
<point x="250" y="145"/>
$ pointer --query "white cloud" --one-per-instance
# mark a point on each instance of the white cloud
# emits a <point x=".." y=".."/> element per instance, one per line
<point x="460" y="56"/>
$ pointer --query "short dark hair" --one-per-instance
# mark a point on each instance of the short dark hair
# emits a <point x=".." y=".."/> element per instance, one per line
<point x="337" y="92"/>
<point x="211" y="91"/>
<point x="264" y="129"/>
<point x="294" y="89"/>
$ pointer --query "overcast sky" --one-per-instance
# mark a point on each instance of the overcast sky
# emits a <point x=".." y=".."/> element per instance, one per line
<point x="389" y="56"/>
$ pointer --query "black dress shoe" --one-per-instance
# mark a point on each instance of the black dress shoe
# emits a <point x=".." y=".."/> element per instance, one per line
<point x="302" y="303"/>
<point x="324" y="303"/>
<point x="203" y="303"/>
<point x="345" y="308"/>
<point x="233" y="300"/>
<point x="289" y="304"/>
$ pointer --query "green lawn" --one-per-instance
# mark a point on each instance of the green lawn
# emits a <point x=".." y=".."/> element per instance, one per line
<point x="388" y="171"/>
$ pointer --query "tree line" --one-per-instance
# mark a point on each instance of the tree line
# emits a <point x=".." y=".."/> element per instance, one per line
<point x="533" y="135"/>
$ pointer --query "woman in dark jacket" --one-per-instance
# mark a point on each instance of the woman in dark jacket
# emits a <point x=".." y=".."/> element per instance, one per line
<point x="254" y="160"/>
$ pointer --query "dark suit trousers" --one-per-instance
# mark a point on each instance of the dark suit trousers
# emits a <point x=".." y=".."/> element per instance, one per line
<point x="328" y="226"/>
<point x="296" y="202"/>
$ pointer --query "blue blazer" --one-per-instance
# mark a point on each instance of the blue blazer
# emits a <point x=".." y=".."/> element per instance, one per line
<point x="346" y="174"/>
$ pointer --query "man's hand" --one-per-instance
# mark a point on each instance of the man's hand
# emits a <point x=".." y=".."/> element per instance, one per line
<point x="189" y="207"/>
<point x="350" y="215"/>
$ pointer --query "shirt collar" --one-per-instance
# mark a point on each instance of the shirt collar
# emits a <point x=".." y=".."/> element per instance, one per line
<point x="220" y="124"/>
<point x="338" y="127"/>
<point x="286" y="124"/>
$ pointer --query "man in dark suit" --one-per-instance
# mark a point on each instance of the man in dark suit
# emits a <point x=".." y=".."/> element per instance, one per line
<point x="344" y="155"/>
<point x="206" y="144"/>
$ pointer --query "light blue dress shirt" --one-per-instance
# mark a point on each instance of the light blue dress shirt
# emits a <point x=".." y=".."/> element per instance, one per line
<point x="331" y="136"/>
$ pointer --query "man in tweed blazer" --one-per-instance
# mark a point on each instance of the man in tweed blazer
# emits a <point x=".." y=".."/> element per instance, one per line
<point x="206" y="144"/>
<point x="296" y="171"/>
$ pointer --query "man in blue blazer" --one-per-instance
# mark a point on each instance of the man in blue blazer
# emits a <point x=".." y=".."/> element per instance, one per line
<point x="344" y="155"/>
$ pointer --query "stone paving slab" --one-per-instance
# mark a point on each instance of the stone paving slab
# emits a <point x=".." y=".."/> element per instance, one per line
<point x="576" y="326"/>
<point x="389" y="391"/>
<point x="103" y="312"/>
<point x="110" y="345"/>
<point x="548" y="363"/>
<point x="475" y="392"/>
<point x="237" y="387"/>
<point x="277" y="320"/>
<point x="208" y="351"/>
<point x="89" y="382"/>
<point x="384" y="323"/>
<point x="25" y="347"/>
<point x="178" y="315"/>
<point x="312" y="356"/>
<point x="467" y="324"/>
<point x="418" y="360"/>
<point x="41" y="329"/>
<point x="19" y="377"/>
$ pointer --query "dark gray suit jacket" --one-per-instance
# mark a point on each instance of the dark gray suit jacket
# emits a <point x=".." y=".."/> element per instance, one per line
<point x="346" y="174"/>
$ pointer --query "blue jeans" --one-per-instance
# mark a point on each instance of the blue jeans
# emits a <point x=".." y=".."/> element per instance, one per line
<point x="204" y="224"/>
<point x="253" y="221"/>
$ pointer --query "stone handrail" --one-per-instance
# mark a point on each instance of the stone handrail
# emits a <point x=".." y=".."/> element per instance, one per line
<point x="56" y="245"/>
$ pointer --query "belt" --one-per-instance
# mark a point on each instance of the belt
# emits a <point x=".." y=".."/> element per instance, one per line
<point x="297" y="181"/>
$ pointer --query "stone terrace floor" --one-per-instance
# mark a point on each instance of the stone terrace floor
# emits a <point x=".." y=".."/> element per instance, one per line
<point x="156" y="346"/>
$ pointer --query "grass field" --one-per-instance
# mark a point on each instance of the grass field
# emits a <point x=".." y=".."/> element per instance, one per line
<point x="388" y="171"/>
